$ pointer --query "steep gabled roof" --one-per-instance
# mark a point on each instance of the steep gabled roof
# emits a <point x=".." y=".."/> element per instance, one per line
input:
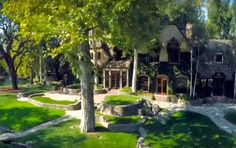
<point x="170" y="32"/>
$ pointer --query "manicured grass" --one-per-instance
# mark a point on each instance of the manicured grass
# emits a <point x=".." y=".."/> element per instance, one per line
<point x="231" y="116"/>
<point x="36" y="89"/>
<point x="187" y="129"/>
<point x="19" y="116"/>
<point x="51" y="101"/>
<point x="121" y="99"/>
<point x="63" y="135"/>
<point x="121" y="120"/>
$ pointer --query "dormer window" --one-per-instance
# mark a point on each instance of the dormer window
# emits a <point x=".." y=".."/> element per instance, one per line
<point x="173" y="51"/>
<point x="219" y="57"/>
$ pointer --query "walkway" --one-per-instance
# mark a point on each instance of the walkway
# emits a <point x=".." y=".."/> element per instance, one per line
<point x="12" y="136"/>
<point x="215" y="112"/>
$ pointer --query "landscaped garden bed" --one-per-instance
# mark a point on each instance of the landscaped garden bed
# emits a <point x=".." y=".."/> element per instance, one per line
<point x="40" y="100"/>
<point x="187" y="129"/>
<point x="72" y="89"/>
<point x="68" y="134"/>
<point x="19" y="116"/>
<point x="120" y="120"/>
<point x="120" y="105"/>
<point x="121" y="99"/>
<point x="51" y="101"/>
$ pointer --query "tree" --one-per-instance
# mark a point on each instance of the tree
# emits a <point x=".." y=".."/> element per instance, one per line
<point x="134" y="28"/>
<point x="12" y="47"/>
<point x="70" y="21"/>
<point x="219" y="18"/>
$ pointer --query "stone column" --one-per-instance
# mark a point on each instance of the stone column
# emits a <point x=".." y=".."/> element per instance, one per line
<point x="120" y="79"/>
<point x="127" y="76"/>
<point x="104" y="78"/>
<point x="235" y="85"/>
<point x="109" y="79"/>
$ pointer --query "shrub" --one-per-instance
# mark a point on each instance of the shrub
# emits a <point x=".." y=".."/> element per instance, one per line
<point x="126" y="89"/>
<point x="99" y="86"/>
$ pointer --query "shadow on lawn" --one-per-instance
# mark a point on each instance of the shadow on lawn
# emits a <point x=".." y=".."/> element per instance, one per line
<point x="68" y="134"/>
<point x="23" y="118"/>
<point x="187" y="129"/>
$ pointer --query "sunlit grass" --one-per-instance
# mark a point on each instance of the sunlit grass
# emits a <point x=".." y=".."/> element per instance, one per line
<point x="122" y="119"/>
<point x="51" y="101"/>
<point x="64" y="135"/>
<point x="19" y="116"/>
<point x="187" y="129"/>
<point x="121" y="99"/>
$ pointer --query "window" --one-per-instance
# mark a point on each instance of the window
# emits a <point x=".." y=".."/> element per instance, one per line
<point x="219" y="57"/>
<point x="98" y="55"/>
<point x="173" y="51"/>
<point x="143" y="57"/>
<point x="173" y="56"/>
<point x="91" y="55"/>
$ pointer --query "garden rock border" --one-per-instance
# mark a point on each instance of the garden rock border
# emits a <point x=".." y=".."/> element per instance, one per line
<point x="129" y="127"/>
<point x="120" y="110"/>
<point x="75" y="106"/>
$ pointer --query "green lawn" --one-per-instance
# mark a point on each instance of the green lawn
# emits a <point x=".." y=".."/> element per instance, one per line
<point x="231" y="116"/>
<point x="18" y="115"/>
<point x="121" y="99"/>
<point x="187" y="129"/>
<point x="121" y="120"/>
<point x="63" y="136"/>
<point x="51" y="101"/>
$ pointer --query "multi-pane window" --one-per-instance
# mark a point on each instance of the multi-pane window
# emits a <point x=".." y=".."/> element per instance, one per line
<point x="219" y="57"/>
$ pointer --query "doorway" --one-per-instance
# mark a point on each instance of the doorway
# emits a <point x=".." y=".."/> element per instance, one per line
<point x="162" y="82"/>
<point x="115" y="79"/>
<point x="218" y="84"/>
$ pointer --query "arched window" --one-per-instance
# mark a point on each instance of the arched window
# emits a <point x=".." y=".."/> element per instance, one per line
<point x="143" y="82"/>
<point x="181" y="84"/>
<point x="173" y="51"/>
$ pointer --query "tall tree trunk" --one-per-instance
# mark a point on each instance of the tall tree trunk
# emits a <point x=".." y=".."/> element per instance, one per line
<point x="31" y="75"/>
<point x="135" y="70"/>
<point x="12" y="71"/>
<point x="235" y="85"/>
<point x="86" y="79"/>
<point x="191" y="74"/>
<point x="196" y="74"/>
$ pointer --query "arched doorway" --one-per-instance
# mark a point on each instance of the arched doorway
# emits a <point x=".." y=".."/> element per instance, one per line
<point x="143" y="82"/>
<point x="162" y="81"/>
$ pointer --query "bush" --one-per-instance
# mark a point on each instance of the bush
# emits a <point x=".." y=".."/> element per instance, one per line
<point x="173" y="99"/>
<point x="126" y="89"/>
<point x="99" y="86"/>
<point x="183" y="96"/>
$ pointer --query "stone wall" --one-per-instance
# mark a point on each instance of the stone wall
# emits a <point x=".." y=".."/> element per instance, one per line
<point x="120" y="110"/>
<point x="130" y="127"/>
<point x="75" y="106"/>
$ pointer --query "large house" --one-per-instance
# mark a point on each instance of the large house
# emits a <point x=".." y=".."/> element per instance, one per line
<point x="217" y="69"/>
<point x="165" y="69"/>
